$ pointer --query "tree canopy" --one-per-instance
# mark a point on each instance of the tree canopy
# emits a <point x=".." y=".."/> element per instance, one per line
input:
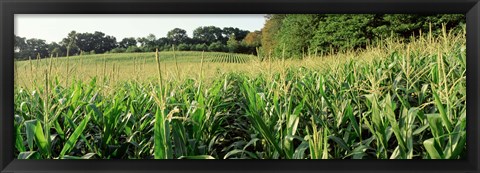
<point x="298" y="34"/>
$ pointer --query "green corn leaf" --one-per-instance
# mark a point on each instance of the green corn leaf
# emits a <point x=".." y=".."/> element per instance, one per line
<point x="432" y="149"/>
<point x="238" y="151"/>
<point x="435" y="124"/>
<point x="35" y="130"/>
<point x="197" y="157"/>
<point x="443" y="114"/>
<point x="19" y="139"/>
<point x="30" y="130"/>
<point x="162" y="148"/>
<point x="88" y="156"/>
<point x="340" y="142"/>
<point x="73" y="139"/>
<point x="28" y="155"/>
<point x="59" y="130"/>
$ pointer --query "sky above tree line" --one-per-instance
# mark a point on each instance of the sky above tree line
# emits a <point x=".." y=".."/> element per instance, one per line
<point x="54" y="27"/>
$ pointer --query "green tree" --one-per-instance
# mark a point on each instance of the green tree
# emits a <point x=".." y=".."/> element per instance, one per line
<point x="20" y="46"/>
<point x="405" y="25"/>
<point x="232" y="44"/>
<point x="131" y="49"/>
<point x="270" y="30"/>
<point x="341" y="31"/>
<point x="183" y="47"/>
<point x="97" y="42"/>
<point x="70" y="43"/>
<point x="207" y="34"/>
<point x="295" y="34"/>
<point x="229" y="31"/>
<point x="57" y="49"/>
<point x="201" y="47"/>
<point x="177" y="36"/>
<point x="20" y="43"/>
<point x="36" y="47"/>
<point x="127" y="42"/>
<point x="217" y="47"/>
<point x="148" y="43"/>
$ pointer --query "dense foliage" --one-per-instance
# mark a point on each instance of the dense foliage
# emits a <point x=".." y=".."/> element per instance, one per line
<point x="295" y="35"/>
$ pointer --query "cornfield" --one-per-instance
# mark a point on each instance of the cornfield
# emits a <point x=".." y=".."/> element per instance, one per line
<point x="231" y="58"/>
<point x="399" y="101"/>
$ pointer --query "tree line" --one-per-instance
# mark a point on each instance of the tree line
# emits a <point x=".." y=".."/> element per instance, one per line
<point x="283" y="35"/>
<point x="295" y="35"/>
<point x="205" y="38"/>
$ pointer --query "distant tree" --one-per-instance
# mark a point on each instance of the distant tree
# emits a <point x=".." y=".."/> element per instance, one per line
<point x="107" y="43"/>
<point x="20" y="43"/>
<point x="70" y="44"/>
<point x="55" y="49"/>
<point x="208" y="34"/>
<point x="151" y="38"/>
<point x="177" y="36"/>
<point x="217" y="47"/>
<point x="232" y="44"/>
<point x="97" y="42"/>
<point x="201" y="47"/>
<point x="253" y="39"/>
<point x="85" y="42"/>
<point x="127" y="42"/>
<point x="20" y="47"/>
<point x="132" y="49"/>
<point x="148" y="43"/>
<point x="246" y="49"/>
<point x="229" y="31"/>
<point x="163" y="43"/>
<point x="142" y="41"/>
<point x="37" y="47"/>
<point x="166" y="48"/>
<point x="251" y="42"/>
<point x="118" y="50"/>
<point x="270" y="30"/>
<point x="194" y="41"/>
<point x="183" y="47"/>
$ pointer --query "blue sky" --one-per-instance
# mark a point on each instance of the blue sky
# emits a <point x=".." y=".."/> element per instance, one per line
<point x="54" y="27"/>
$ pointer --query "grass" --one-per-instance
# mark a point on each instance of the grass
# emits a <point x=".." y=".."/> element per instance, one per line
<point x="393" y="101"/>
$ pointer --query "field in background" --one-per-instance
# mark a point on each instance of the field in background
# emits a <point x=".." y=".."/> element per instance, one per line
<point x="128" y="66"/>
<point x="397" y="100"/>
